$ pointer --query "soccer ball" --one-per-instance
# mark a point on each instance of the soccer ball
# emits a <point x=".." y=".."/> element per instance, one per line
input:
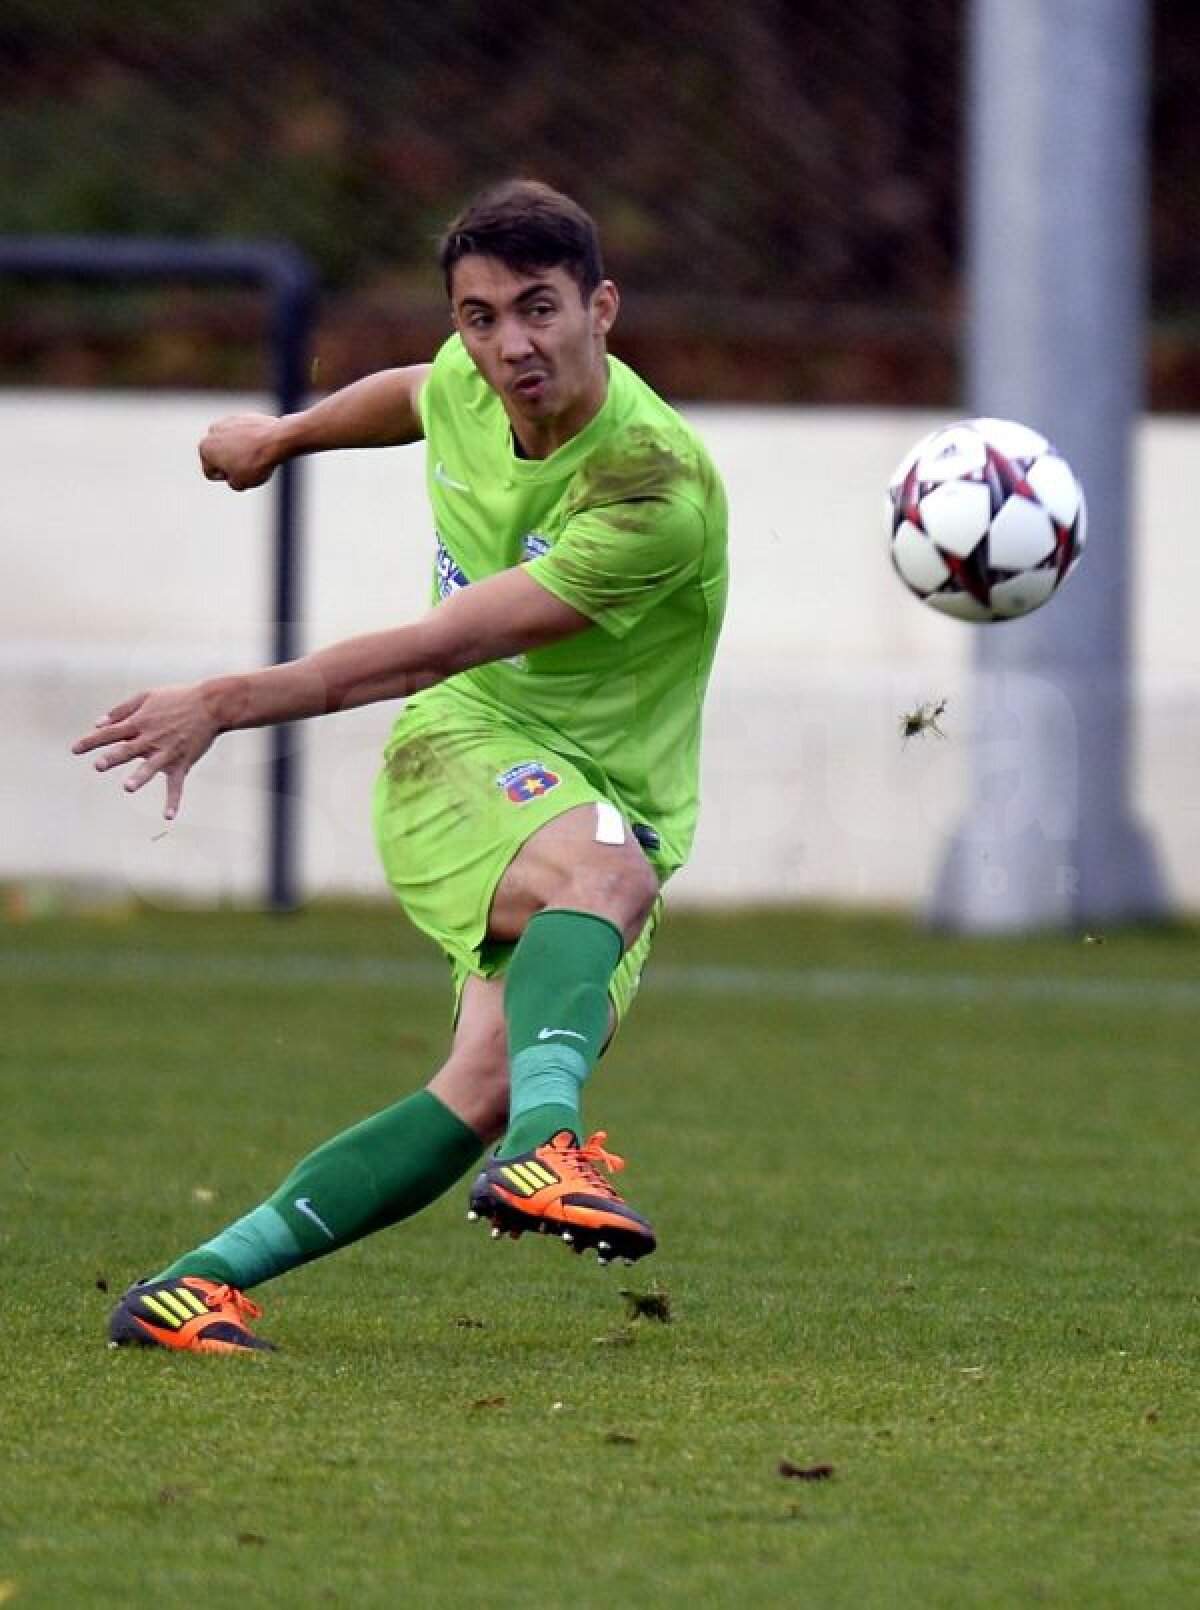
<point x="985" y="519"/>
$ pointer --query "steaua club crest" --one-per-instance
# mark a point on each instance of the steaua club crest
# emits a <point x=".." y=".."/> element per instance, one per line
<point x="529" y="780"/>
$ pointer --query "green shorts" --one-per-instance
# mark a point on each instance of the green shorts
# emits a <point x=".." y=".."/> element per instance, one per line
<point x="453" y="804"/>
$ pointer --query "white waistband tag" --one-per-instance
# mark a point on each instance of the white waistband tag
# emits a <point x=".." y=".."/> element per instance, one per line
<point x="610" y="829"/>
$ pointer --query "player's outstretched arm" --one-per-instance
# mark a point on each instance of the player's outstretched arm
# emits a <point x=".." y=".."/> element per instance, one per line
<point x="167" y="730"/>
<point x="244" y="450"/>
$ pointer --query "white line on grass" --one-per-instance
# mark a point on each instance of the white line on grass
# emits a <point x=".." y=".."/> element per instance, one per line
<point x="303" y="970"/>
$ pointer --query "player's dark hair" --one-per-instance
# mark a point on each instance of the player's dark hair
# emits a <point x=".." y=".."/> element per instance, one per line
<point x="526" y="225"/>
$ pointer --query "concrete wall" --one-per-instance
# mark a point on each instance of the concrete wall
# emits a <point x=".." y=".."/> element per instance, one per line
<point x="121" y="568"/>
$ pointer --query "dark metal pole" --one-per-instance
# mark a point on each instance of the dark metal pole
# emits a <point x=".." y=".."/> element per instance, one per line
<point x="293" y="317"/>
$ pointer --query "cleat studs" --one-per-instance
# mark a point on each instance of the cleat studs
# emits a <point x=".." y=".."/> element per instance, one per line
<point x="497" y="1232"/>
<point x="472" y="1216"/>
<point x="603" y="1247"/>
<point x="568" y="1238"/>
<point x="627" y="1260"/>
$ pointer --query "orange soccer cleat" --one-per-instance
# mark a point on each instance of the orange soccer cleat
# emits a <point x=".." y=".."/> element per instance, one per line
<point x="190" y="1314"/>
<point x="556" y="1189"/>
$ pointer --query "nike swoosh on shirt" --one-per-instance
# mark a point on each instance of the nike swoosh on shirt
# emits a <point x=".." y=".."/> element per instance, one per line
<point x="547" y="1034"/>
<point x="442" y="474"/>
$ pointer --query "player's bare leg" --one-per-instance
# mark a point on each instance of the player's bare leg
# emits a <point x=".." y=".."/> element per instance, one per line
<point x="473" y="1080"/>
<point x="576" y="862"/>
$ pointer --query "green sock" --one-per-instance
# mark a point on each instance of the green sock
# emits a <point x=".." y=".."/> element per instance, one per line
<point x="556" y="1008"/>
<point x="383" y="1170"/>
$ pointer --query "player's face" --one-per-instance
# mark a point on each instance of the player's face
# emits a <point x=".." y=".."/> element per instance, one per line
<point x="537" y="343"/>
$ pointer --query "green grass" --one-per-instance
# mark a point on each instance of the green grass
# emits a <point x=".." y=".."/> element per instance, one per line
<point x="929" y="1211"/>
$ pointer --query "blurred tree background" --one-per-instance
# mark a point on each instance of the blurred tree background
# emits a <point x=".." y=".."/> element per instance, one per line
<point x="778" y="184"/>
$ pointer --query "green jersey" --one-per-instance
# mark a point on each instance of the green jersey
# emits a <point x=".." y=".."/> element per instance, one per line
<point x="626" y="522"/>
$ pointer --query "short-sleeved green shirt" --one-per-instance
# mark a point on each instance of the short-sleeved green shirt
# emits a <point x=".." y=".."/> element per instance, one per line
<point x="626" y="522"/>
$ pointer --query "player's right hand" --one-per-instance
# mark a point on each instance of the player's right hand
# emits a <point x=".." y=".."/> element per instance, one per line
<point x="166" y="730"/>
<point x="242" y="450"/>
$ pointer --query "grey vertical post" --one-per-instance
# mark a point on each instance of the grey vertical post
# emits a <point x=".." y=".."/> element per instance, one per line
<point x="1055" y="218"/>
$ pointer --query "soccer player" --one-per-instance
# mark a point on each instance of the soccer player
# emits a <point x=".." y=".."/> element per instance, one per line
<point x="540" y="783"/>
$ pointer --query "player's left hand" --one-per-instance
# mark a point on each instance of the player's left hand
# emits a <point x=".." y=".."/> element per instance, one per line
<point x="242" y="450"/>
<point x="166" y="729"/>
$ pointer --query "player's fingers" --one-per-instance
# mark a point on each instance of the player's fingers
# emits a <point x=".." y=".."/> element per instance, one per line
<point x="175" y="779"/>
<point x="102" y="737"/>
<point x="122" y="711"/>
<point x="121" y="754"/>
<point x="106" y="728"/>
<point x="208" y="462"/>
<point x="151" y="765"/>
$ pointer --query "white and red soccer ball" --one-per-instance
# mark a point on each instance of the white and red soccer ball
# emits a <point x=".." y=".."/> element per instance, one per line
<point x="985" y="519"/>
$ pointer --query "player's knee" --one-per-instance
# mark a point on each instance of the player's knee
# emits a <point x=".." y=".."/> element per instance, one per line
<point x="624" y="891"/>
<point x="642" y="893"/>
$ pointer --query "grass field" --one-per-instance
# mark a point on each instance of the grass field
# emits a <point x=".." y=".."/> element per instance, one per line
<point x="929" y="1215"/>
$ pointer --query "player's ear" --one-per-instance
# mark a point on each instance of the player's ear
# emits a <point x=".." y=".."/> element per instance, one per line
<point x="606" y="302"/>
